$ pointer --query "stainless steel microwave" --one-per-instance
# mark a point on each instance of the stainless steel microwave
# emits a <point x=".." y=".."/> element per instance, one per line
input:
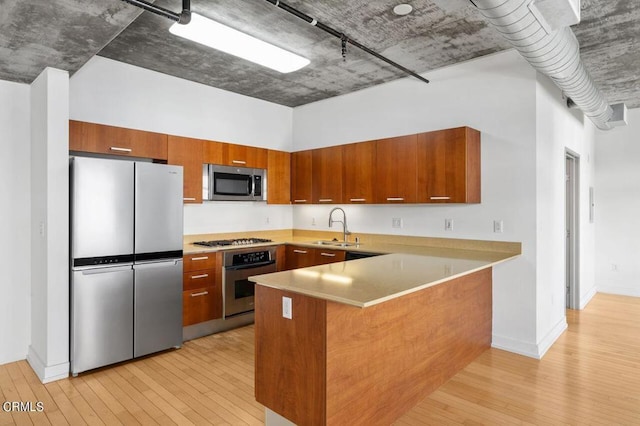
<point x="228" y="183"/>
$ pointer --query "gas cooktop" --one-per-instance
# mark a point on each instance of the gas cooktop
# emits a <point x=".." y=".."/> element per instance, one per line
<point x="235" y="242"/>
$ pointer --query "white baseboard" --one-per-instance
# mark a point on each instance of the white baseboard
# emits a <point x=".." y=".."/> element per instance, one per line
<point x="531" y="350"/>
<point x="584" y="301"/>
<point x="47" y="373"/>
<point x="620" y="291"/>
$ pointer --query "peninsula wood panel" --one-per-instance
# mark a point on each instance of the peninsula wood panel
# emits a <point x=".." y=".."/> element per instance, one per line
<point x="103" y="139"/>
<point x="404" y="348"/>
<point x="449" y="166"/>
<point x="187" y="152"/>
<point x="358" y="172"/>
<point x="290" y="356"/>
<point x="301" y="177"/>
<point x="278" y="177"/>
<point x="326" y="183"/>
<point x="396" y="170"/>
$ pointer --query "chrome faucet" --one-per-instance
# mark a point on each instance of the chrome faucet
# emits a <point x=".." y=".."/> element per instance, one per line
<point x="345" y="231"/>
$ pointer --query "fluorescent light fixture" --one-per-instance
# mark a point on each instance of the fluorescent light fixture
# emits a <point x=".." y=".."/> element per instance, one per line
<point x="220" y="37"/>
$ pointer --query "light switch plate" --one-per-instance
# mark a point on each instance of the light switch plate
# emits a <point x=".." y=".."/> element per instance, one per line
<point x="448" y="224"/>
<point x="287" y="308"/>
<point x="498" y="226"/>
<point x="396" y="222"/>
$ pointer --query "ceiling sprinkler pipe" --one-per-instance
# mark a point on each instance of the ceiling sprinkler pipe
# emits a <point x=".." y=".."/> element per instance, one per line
<point x="555" y="54"/>
<point x="182" y="18"/>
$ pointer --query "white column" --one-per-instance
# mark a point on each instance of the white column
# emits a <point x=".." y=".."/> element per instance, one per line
<point x="49" y="350"/>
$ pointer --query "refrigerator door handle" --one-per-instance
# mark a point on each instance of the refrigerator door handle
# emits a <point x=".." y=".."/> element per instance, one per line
<point x="107" y="270"/>
<point x="157" y="264"/>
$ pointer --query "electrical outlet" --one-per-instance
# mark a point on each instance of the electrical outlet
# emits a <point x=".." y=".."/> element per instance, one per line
<point x="268" y="220"/>
<point x="313" y="221"/>
<point x="396" y="222"/>
<point x="614" y="267"/>
<point x="287" y="309"/>
<point x="498" y="226"/>
<point x="448" y="224"/>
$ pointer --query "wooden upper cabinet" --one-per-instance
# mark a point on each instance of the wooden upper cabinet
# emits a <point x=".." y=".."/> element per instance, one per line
<point x="396" y="170"/>
<point x="358" y="172"/>
<point x="278" y="177"/>
<point x="449" y="166"/>
<point x="301" y="173"/>
<point x="102" y="139"/>
<point x="326" y="183"/>
<point x="244" y="156"/>
<point x="187" y="152"/>
<point x="212" y="152"/>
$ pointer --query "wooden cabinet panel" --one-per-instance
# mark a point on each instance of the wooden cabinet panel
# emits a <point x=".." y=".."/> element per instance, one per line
<point x="187" y="152"/>
<point x="301" y="173"/>
<point x="102" y="139"/>
<point x="299" y="257"/>
<point x="244" y="156"/>
<point x="358" y="172"/>
<point x="202" y="304"/>
<point x="278" y="177"/>
<point x="324" y="256"/>
<point x="199" y="262"/>
<point x="326" y="183"/>
<point x="449" y="166"/>
<point x="198" y="279"/>
<point x="396" y="170"/>
<point x="212" y="152"/>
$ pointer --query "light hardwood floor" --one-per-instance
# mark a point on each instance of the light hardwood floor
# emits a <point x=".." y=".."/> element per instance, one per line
<point x="591" y="375"/>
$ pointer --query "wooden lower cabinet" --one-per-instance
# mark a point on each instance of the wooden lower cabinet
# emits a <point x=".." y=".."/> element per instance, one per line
<point x="202" y="288"/>
<point x="301" y="256"/>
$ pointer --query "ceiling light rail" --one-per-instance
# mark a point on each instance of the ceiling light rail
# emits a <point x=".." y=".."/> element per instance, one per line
<point x="343" y="37"/>
<point x="183" y="17"/>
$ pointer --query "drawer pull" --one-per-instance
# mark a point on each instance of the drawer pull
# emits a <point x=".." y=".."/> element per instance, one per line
<point x="197" y="277"/>
<point x="328" y="254"/>
<point x="202" y="293"/>
<point x="357" y="200"/>
<point x="238" y="162"/>
<point x="300" y="251"/>
<point x="299" y="201"/>
<point x="115" y="148"/>
<point x="440" y="198"/>
<point x="325" y="200"/>
<point x="395" y="199"/>
<point x="189" y="199"/>
<point x="200" y="258"/>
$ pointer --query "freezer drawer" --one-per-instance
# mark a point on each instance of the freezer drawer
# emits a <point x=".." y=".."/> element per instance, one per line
<point x="101" y="317"/>
<point x="158" y="307"/>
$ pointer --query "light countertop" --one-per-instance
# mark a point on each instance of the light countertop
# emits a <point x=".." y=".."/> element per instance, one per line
<point x="373" y="280"/>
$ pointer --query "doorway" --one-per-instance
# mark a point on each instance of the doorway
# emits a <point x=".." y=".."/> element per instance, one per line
<point x="572" y="230"/>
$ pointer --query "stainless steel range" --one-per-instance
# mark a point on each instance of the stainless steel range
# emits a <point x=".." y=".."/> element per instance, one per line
<point x="234" y="242"/>
<point x="239" y="265"/>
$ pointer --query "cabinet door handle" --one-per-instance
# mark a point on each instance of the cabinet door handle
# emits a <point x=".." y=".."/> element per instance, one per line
<point x="196" y="277"/>
<point x="358" y="200"/>
<point x="325" y="200"/>
<point x="189" y="199"/>
<point x="115" y="148"/>
<point x="328" y="254"/>
<point x="440" y="198"/>
<point x="238" y="162"/>
<point x="200" y="258"/>
<point x="299" y="201"/>
<point x="395" y="199"/>
<point x="202" y="293"/>
<point x="300" y="251"/>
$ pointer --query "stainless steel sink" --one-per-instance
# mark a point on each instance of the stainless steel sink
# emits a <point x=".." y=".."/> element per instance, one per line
<point x="333" y="243"/>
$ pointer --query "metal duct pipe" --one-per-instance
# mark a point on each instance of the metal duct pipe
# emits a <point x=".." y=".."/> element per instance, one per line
<point x="183" y="17"/>
<point x="555" y="53"/>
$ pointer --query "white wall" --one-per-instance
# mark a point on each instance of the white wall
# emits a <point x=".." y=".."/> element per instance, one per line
<point x="15" y="232"/>
<point x="558" y="130"/>
<point x="49" y="348"/>
<point x="496" y="95"/>
<point x="617" y="208"/>
<point x="110" y="92"/>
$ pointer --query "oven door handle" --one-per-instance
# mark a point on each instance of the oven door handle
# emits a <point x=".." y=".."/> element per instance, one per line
<point x="251" y="266"/>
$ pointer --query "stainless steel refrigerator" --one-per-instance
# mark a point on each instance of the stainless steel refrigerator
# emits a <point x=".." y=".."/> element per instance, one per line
<point x="126" y="260"/>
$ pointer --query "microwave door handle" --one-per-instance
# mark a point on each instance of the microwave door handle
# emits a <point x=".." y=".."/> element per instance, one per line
<point x="250" y="185"/>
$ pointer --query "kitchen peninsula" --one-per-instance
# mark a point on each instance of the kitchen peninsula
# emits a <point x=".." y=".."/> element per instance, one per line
<point x="361" y="342"/>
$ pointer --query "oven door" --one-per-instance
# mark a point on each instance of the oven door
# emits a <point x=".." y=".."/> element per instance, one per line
<point x="238" y="290"/>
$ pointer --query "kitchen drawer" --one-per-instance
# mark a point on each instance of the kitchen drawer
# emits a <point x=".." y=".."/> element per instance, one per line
<point x="324" y="256"/>
<point x="198" y="279"/>
<point x="201" y="304"/>
<point x="199" y="262"/>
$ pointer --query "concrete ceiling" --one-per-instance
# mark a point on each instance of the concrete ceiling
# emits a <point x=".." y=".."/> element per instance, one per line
<point x="65" y="34"/>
